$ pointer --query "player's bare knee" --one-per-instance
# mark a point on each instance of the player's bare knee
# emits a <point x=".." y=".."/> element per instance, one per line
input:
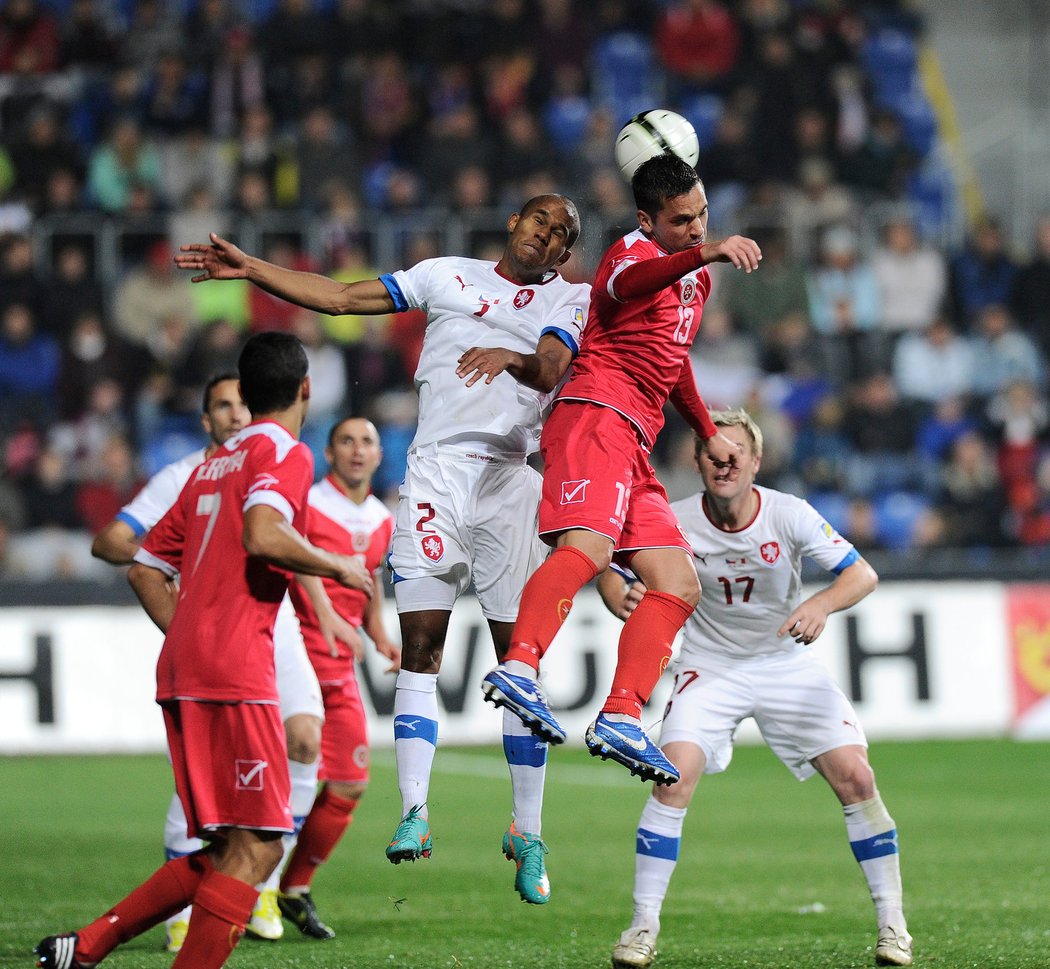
<point x="421" y="655"/>
<point x="303" y="734"/>
<point x="854" y="781"/>
<point x="348" y="792"/>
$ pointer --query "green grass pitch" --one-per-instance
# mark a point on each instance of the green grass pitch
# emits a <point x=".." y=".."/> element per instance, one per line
<point x="766" y="879"/>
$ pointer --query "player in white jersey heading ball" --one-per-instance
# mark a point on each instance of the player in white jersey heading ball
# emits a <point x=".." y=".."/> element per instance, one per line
<point x="223" y="414"/>
<point x="745" y="654"/>
<point x="467" y="508"/>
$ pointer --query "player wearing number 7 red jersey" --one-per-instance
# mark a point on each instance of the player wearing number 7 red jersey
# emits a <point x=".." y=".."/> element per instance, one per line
<point x="601" y="499"/>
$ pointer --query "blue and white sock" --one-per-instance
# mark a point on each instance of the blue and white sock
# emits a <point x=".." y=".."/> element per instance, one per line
<point x="656" y="854"/>
<point x="872" y="835"/>
<point x="415" y="736"/>
<point x="304" y="791"/>
<point x="527" y="759"/>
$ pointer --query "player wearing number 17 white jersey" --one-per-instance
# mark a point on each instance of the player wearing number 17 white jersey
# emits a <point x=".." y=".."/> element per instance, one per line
<point x="746" y="654"/>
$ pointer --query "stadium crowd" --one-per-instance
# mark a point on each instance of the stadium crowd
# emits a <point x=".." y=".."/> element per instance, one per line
<point x="896" y="364"/>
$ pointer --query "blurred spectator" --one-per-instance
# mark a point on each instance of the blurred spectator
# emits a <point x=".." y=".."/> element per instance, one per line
<point x="983" y="272"/>
<point x="190" y="162"/>
<point x="110" y="482"/>
<point x="942" y="425"/>
<point x="29" y="38"/>
<point x="211" y="349"/>
<point x="237" y="82"/>
<point x="880" y="167"/>
<point x="324" y="156"/>
<point x="199" y="214"/>
<point x="173" y="97"/>
<point x="775" y="310"/>
<point x="63" y="193"/>
<point x="454" y="139"/>
<point x="102" y="417"/>
<point x="1019" y="420"/>
<point x="151" y="293"/>
<point x="912" y="277"/>
<point x="50" y="493"/>
<point x="257" y="149"/>
<point x="71" y="291"/>
<point x="1005" y="354"/>
<point x="125" y="159"/>
<point x="90" y="354"/>
<point x="29" y="369"/>
<point x="814" y="204"/>
<point x="523" y="152"/>
<point x="328" y="386"/>
<point x="387" y="105"/>
<point x="253" y="194"/>
<point x="881" y="428"/>
<point x="41" y="147"/>
<point x="971" y="497"/>
<point x="292" y="31"/>
<point x="725" y="364"/>
<point x="19" y="280"/>
<point x="698" y="43"/>
<point x="844" y="306"/>
<point x="1030" y="298"/>
<point x="89" y="39"/>
<point x="822" y="448"/>
<point x="154" y="30"/>
<point x="211" y="24"/>
<point x="935" y="364"/>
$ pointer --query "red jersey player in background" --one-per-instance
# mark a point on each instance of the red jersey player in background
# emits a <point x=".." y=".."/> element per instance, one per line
<point x="233" y="536"/>
<point x="343" y="515"/>
<point x="601" y="499"/>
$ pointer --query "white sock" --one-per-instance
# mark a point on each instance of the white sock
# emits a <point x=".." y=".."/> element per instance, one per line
<point x="176" y="842"/>
<point x="415" y="736"/>
<point x="527" y="759"/>
<point x="656" y="854"/>
<point x="518" y="668"/>
<point x="304" y="792"/>
<point x="873" y="837"/>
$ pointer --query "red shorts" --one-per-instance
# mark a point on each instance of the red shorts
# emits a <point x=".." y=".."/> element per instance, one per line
<point x="231" y="765"/>
<point x="597" y="476"/>
<point x="344" y="736"/>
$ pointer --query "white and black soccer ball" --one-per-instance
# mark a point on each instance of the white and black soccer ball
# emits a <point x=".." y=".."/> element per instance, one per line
<point x="652" y="133"/>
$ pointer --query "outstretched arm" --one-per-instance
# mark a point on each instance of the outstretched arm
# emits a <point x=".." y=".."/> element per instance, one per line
<point x="540" y="370"/>
<point x="851" y="585"/>
<point x="649" y="276"/>
<point x="221" y="259"/>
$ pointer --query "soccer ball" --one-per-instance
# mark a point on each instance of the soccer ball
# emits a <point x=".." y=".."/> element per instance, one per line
<point x="651" y="133"/>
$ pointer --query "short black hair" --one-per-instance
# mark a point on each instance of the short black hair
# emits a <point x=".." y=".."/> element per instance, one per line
<point x="339" y="423"/>
<point x="271" y="368"/>
<point x="664" y="176"/>
<point x="541" y="201"/>
<point x="213" y="383"/>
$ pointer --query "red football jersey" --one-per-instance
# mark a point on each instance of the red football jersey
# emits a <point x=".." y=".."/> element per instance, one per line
<point x="336" y="523"/>
<point x="219" y="645"/>
<point x="632" y="353"/>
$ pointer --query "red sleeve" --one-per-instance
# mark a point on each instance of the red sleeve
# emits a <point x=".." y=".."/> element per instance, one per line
<point x="648" y="276"/>
<point x="167" y="538"/>
<point x="688" y="402"/>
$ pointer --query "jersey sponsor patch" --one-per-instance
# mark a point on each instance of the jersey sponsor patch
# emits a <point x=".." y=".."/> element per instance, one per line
<point x="523" y="297"/>
<point x="574" y="492"/>
<point x="433" y="547"/>
<point x="770" y="552"/>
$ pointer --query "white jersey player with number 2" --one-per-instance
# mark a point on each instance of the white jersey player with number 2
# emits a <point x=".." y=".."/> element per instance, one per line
<point x="499" y="337"/>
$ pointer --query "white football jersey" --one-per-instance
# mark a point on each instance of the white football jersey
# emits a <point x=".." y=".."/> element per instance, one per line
<point x="752" y="578"/>
<point x="469" y="304"/>
<point x="158" y="494"/>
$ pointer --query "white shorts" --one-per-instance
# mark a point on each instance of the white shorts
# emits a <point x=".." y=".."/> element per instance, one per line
<point x="798" y="707"/>
<point x="465" y="516"/>
<point x="297" y="683"/>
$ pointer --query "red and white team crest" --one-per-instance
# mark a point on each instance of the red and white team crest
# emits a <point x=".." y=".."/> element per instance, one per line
<point x="361" y="541"/>
<point x="574" y="492"/>
<point x="522" y="298"/>
<point x="688" y="291"/>
<point x="770" y="552"/>
<point x="433" y="547"/>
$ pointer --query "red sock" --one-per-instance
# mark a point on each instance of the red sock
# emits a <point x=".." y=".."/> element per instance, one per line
<point x="221" y="909"/>
<point x="546" y="602"/>
<point x="645" y="648"/>
<point x="325" y="824"/>
<point x="164" y="893"/>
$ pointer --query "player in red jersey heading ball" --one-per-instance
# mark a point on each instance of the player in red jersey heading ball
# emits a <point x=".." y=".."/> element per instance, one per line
<point x="601" y="499"/>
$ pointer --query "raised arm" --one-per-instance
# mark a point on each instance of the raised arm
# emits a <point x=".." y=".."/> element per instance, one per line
<point x="221" y="259"/>
<point x="688" y="402"/>
<point x="540" y="370"/>
<point x="649" y="276"/>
